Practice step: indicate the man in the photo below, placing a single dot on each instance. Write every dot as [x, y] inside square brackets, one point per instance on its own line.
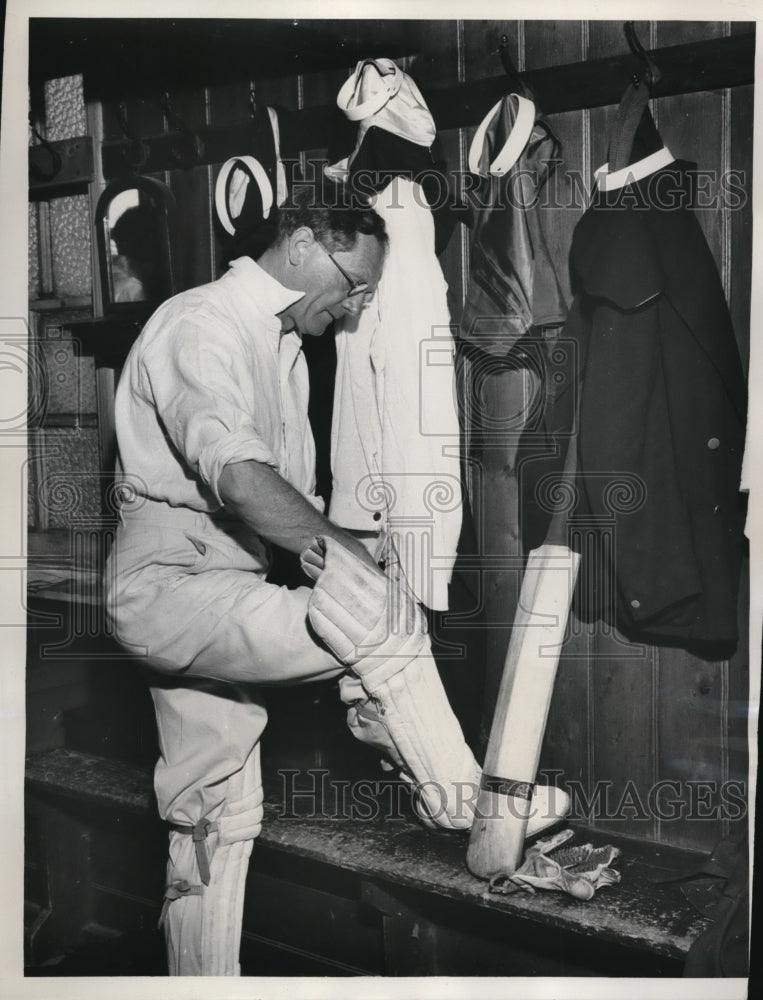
[217, 461]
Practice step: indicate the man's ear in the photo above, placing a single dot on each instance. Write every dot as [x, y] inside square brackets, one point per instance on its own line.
[301, 243]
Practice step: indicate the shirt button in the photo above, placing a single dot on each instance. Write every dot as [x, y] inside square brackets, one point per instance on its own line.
[713, 443]
[636, 604]
[717, 509]
[377, 515]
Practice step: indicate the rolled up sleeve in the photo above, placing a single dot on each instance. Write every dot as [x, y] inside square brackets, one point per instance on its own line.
[201, 385]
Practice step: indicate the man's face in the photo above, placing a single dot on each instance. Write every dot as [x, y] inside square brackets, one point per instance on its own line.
[327, 290]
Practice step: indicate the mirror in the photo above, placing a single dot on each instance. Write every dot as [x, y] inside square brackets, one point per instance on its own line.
[134, 219]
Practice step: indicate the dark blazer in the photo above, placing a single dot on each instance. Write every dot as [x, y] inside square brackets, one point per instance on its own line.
[661, 418]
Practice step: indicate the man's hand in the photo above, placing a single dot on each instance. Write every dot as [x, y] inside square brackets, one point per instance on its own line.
[313, 558]
[261, 498]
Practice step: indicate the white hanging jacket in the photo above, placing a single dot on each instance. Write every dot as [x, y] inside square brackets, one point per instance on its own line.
[395, 434]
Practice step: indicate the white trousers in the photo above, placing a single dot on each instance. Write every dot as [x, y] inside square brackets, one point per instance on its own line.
[183, 594]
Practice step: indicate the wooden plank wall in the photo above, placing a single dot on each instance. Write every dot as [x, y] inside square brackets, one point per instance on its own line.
[624, 717]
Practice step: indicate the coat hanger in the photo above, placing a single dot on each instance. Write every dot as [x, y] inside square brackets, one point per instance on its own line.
[137, 153]
[188, 147]
[651, 72]
[508, 66]
[633, 103]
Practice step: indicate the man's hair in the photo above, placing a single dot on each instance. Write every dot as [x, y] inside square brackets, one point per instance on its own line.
[336, 226]
[134, 232]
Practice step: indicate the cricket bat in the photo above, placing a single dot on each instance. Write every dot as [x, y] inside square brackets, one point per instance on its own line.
[496, 841]
[504, 802]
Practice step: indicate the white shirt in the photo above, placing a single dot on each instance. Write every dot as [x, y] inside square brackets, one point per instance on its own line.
[212, 380]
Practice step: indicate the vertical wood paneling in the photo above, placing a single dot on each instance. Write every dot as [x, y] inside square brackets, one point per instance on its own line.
[738, 761]
[281, 91]
[228, 103]
[683, 32]
[190, 186]
[441, 64]
[691, 126]
[437, 62]
[482, 43]
[320, 89]
[567, 739]
[739, 208]
[692, 700]
[607, 38]
[454, 258]
[622, 755]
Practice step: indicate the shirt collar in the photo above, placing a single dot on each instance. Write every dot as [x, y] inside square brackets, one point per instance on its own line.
[519, 136]
[606, 181]
[268, 295]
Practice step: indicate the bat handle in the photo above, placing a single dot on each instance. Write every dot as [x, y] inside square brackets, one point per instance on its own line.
[557, 529]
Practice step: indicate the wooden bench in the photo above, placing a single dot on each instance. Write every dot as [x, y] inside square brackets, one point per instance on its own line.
[334, 896]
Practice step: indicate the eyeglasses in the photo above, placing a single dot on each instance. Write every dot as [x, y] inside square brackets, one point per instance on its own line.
[356, 287]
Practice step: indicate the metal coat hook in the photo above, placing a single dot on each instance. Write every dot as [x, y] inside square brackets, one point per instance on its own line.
[508, 63]
[137, 153]
[652, 73]
[40, 171]
[189, 145]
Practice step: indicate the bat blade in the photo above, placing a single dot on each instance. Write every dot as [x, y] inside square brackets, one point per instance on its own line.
[504, 803]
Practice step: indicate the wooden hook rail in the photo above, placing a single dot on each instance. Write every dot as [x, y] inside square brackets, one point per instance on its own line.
[685, 69]
[697, 66]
